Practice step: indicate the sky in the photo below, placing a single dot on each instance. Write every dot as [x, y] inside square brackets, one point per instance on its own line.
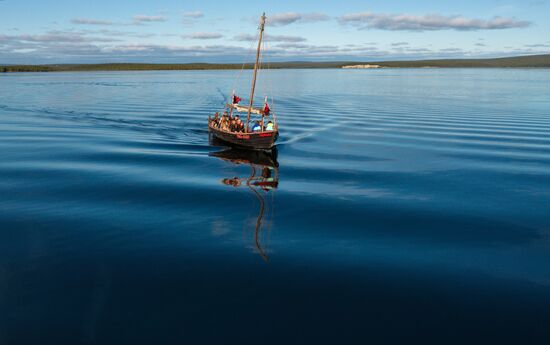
[167, 31]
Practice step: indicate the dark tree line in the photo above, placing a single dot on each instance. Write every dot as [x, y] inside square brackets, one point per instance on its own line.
[518, 61]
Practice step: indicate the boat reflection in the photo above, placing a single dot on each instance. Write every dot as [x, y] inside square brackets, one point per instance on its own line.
[262, 181]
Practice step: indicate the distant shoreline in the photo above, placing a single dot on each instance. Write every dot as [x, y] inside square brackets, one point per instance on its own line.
[531, 61]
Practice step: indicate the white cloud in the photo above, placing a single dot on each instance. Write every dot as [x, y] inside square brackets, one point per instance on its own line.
[88, 21]
[314, 17]
[47, 51]
[140, 19]
[190, 17]
[281, 19]
[204, 35]
[429, 22]
[293, 45]
[193, 14]
[118, 33]
[55, 37]
[146, 50]
[269, 38]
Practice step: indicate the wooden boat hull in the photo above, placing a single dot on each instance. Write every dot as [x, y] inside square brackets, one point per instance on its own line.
[255, 141]
[242, 156]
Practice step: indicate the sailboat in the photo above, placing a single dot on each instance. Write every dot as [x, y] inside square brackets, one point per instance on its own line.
[259, 136]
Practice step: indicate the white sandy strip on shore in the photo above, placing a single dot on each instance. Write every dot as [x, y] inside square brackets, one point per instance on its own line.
[362, 66]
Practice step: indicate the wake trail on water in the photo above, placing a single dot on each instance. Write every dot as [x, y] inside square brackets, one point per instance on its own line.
[166, 130]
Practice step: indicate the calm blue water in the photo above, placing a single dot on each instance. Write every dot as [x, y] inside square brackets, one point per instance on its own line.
[402, 206]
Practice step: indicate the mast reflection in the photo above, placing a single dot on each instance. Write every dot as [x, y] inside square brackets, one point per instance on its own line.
[262, 182]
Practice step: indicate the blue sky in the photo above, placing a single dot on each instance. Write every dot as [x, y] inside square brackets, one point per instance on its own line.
[63, 31]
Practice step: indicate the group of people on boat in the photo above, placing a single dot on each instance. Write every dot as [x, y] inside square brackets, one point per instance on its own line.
[227, 122]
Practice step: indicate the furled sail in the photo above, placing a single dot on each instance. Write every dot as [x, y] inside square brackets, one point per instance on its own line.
[244, 109]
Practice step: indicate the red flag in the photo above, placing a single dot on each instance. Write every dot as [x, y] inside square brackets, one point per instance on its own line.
[236, 99]
[266, 109]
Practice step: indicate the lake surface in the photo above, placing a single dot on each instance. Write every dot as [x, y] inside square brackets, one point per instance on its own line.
[402, 205]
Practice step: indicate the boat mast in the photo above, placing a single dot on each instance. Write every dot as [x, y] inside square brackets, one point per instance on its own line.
[262, 24]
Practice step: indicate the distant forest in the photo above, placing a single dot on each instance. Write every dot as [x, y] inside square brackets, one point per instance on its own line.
[532, 61]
